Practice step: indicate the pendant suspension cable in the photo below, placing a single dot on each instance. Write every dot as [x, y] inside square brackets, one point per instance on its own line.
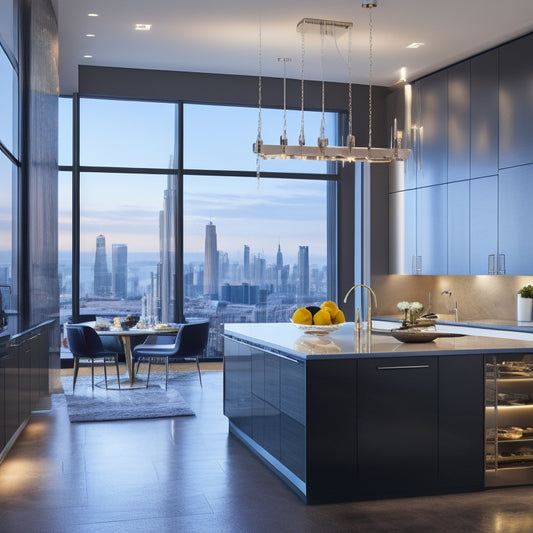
[259, 140]
[370, 73]
[283, 138]
[322, 56]
[301, 138]
[350, 140]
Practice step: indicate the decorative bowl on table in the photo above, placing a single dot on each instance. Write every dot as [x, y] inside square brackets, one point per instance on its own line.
[413, 335]
[312, 329]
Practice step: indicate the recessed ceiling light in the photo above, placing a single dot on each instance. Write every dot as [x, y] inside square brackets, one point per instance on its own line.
[143, 27]
[415, 45]
[88, 56]
[92, 14]
[90, 35]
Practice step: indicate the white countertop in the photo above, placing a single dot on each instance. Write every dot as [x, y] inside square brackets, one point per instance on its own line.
[284, 338]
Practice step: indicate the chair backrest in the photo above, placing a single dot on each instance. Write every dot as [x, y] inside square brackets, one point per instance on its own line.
[83, 341]
[192, 339]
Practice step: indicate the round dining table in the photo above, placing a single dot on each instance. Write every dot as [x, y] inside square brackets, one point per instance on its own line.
[125, 336]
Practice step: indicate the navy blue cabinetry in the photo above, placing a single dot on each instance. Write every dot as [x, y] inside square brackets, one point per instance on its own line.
[484, 115]
[516, 102]
[433, 130]
[459, 122]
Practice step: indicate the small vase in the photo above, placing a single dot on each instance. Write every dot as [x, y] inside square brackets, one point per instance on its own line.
[524, 309]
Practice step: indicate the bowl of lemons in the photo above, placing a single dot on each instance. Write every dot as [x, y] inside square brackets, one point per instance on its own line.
[318, 320]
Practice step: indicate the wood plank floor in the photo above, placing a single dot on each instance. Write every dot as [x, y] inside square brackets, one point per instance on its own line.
[188, 475]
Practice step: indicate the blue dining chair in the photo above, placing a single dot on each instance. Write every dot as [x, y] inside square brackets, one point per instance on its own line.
[84, 343]
[190, 342]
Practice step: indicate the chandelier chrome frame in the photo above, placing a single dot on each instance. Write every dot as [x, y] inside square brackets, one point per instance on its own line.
[322, 151]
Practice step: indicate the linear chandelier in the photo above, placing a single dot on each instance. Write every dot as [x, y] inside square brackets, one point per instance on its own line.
[322, 151]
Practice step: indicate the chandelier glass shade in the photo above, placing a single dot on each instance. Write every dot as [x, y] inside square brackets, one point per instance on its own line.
[322, 151]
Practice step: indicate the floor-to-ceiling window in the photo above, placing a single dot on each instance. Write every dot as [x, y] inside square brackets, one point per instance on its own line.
[175, 222]
[9, 162]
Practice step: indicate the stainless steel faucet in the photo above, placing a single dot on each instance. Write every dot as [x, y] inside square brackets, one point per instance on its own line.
[369, 303]
[451, 309]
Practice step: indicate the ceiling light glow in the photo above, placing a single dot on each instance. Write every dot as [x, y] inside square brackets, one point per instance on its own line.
[90, 35]
[88, 56]
[92, 14]
[415, 45]
[143, 27]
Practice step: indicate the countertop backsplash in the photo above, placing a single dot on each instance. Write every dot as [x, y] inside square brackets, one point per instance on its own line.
[477, 297]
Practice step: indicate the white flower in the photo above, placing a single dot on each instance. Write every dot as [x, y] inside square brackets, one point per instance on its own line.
[403, 306]
[415, 306]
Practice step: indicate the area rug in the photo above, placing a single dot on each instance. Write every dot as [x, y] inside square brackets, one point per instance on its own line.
[100, 405]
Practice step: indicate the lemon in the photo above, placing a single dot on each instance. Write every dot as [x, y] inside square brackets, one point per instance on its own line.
[339, 317]
[302, 316]
[322, 318]
[331, 307]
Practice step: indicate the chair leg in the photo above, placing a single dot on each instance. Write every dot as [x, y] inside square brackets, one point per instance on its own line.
[149, 370]
[199, 373]
[92, 372]
[166, 373]
[76, 368]
[118, 371]
[105, 373]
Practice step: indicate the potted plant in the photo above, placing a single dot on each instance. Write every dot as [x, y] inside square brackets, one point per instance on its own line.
[524, 304]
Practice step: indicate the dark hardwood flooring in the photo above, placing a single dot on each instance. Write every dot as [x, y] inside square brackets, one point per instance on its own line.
[186, 474]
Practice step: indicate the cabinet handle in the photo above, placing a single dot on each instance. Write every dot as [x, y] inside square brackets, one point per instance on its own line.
[402, 367]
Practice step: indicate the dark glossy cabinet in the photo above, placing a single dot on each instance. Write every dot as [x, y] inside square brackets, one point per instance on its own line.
[484, 115]
[515, 219]
[433, 130]
[264, 396]
[397, 413]
[459, 122]
[24, 368]
[458, 221]
[341, 429]
[516, 102]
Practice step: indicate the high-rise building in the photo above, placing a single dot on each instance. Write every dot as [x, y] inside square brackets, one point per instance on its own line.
[119, 263]
[246, 264]
[303, 271]
[211, 262]
[279, 258]
[166, 306]
[102, 278]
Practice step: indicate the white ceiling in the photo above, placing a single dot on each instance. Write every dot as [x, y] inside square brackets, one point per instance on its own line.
[222, 36]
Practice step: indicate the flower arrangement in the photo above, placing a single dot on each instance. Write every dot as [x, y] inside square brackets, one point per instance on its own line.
[412, 312]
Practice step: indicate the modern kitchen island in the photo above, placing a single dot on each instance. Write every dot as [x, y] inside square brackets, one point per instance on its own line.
[344, 417]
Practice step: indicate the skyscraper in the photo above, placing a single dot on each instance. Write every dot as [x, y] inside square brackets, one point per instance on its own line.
[211, 262]
[102, 278]
[279, 258]
[246, 263]
[303, 271]
[165, 307]
[119, 272]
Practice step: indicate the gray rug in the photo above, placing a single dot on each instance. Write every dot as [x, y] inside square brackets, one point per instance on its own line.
[86, 405]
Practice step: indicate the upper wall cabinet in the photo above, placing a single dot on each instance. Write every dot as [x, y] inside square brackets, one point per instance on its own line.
[515, 219]
[432, 130]
[516, 102]
[459, 122]
[484, 115]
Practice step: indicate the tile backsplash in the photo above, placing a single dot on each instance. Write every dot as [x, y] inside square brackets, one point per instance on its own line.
[477, 297]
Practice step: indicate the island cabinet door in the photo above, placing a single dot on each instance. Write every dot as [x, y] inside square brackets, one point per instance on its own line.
[238, 384]
[461, 422]
[397, 430]
[331, 430]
